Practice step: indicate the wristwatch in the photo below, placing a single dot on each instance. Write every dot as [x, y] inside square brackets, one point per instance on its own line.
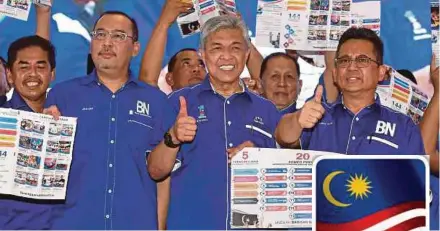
[168, 141]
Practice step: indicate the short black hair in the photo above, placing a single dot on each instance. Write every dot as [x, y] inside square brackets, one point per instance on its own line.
[3, 62]
[408, 74]
[31, 41]
[173, 59]
[363, 34]
[134, 26]
[276, 55]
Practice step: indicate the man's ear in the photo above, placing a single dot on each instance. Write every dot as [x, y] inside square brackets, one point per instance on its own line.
[136, 49]
[9, 77]
[169, 79]
[383, 72]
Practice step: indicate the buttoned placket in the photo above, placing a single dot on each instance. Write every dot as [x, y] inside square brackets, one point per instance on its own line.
[111, 157]
[354, 136]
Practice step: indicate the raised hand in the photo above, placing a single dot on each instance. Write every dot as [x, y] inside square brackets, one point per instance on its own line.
[184, 130]
[312, 110]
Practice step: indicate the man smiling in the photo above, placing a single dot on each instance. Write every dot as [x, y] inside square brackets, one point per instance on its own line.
[215, 119]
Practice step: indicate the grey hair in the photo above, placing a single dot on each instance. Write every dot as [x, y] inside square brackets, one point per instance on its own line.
[220, 23]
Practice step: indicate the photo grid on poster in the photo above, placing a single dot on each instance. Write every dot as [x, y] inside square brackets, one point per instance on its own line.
[39, 154]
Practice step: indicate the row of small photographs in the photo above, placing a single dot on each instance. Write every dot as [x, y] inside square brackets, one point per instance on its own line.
[32, 126]
[418, 103]
[20, 4]
[60, 129]
[62, 147]
[416, 90]
[30, 143]
[33, 161]
[317, 35]
[414, 116]
[53, 181]
[319, 4]
[31, 179]
[339, 5]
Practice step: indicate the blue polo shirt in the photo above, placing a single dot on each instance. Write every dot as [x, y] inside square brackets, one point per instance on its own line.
[434, 203]
[109, 186]
[24, 213]
[289, 109]
[376, 129]
[200, 191]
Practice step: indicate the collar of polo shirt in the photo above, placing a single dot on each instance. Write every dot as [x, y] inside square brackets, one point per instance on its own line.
[93, 78]
[340, 102]
[17, 102]
[206, 85]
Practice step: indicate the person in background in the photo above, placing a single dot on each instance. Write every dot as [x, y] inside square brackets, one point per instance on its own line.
[356, 123]
[429, 126]
[220, 103]
[119, 118]
[4, 86]
[29, 70]
[280, 81]
[184, 69]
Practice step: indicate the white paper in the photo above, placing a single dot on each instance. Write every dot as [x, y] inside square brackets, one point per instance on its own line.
[272, 188]
[312, 25]
[18, 9]
[42, 2]
[35, 154]
[404, 96]
[190, 22]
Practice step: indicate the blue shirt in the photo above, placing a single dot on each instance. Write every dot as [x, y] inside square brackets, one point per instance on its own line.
[434, 203]
[289, 109]
[374, 130]
[24, 213]
[200, 180]
[109, 186]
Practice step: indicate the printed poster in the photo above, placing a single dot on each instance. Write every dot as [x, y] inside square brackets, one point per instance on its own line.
[312, 25]
[404, 96]
[35, 154]
[18, 9]
[190, 22]
[272, 188]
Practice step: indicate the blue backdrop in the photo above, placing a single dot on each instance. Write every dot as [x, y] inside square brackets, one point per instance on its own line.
[398, 32]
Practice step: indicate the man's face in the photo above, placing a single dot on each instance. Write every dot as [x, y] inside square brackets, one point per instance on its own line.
[31, 73]
[225, 55]
[113, 52]
[354, 78]
[280, 82]
[188, 70]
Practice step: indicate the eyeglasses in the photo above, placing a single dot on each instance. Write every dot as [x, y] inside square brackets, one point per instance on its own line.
[116, 36]
[361, 61]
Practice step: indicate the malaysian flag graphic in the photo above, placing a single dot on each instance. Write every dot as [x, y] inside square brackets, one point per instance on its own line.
[401, 90]
[370, 194]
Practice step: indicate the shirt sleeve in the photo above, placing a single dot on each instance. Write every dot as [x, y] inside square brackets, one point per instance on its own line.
[413, 143]
[305, 137]
[164, 121]
[54, 98]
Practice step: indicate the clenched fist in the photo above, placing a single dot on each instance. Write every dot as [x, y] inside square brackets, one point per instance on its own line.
[184, 130]
[312, 110]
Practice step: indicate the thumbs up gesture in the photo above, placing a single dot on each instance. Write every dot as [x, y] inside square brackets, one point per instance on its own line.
[312, 110]
[185, 127]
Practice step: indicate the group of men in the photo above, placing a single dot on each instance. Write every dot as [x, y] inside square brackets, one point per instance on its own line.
[144, 160]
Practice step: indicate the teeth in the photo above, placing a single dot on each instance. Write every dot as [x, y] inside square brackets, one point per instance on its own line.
[227, 67]
[32, 84]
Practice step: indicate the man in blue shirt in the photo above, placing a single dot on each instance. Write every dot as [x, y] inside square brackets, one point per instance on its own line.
[280, 80]
[109, 186]
[215, 119]
[356, 123]
[30, 69]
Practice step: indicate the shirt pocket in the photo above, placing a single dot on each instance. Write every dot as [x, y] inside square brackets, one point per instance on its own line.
[140, 133]
[261, 136]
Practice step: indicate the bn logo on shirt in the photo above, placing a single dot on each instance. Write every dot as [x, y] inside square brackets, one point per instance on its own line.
[142, 108]
[385, 128]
